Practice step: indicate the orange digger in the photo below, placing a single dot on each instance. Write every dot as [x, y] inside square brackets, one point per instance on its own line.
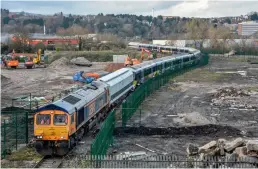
[148, 52]
[130, 62]
[14, 62]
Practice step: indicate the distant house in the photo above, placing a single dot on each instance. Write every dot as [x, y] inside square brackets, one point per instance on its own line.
[54, 39]
[50, 39]
[11, 15]
[170, 17]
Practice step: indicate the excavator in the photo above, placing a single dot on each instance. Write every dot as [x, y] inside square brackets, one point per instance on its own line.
[148, 52]
[39, 60]
[13, 62]
[130, 62]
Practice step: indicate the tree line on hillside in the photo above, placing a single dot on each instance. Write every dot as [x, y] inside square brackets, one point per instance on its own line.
[194, 29]
[115, 29]
[123, 25]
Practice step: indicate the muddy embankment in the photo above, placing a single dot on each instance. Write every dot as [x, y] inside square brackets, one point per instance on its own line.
[204, 130]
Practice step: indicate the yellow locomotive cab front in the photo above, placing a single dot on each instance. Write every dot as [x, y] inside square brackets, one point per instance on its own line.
[51, 125]
[51, 130]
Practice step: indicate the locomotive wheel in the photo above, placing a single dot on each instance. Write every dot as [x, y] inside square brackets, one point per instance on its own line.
[72, 142]
[61, 151]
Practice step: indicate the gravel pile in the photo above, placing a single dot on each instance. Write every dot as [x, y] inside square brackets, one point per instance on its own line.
[81, 61]
[57, 64]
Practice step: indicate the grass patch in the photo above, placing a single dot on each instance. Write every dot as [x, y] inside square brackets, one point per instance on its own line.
[24, 154]
[241, 59]
[238, 59]
[201, 75]
[252, 89]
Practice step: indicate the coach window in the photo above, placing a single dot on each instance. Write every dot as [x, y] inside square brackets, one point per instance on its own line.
[43, 119]
[60, 119]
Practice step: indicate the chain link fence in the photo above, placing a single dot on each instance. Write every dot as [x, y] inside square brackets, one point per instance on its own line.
[17, 120]
[14, 131]
[105, 136]
[134, 100]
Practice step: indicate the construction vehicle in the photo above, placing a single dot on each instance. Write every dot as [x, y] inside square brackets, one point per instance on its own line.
[13, 62]
[86, 77]
[29, 64]
[148, 52]
[39, 60]
[130, 62]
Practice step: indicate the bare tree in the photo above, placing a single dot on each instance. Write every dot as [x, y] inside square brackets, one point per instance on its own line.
[75, 30]
[197, 31]
[20, 40]
[213, 36]
[222, 33]
[71, 31]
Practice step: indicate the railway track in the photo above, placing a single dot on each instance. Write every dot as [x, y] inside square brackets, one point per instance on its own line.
[52, 161]
[49, 162]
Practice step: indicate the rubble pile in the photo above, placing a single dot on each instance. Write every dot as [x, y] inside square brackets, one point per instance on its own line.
[231, 151]
[59, 63]
[230, 92]
[234, 98]
[81, 61]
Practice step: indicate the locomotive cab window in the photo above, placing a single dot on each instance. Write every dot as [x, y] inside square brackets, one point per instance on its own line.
[43, 119]
[60, 119]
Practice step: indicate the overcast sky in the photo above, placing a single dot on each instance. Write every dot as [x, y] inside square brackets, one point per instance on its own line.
[199, 8]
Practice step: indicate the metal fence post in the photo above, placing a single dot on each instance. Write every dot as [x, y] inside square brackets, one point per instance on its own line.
[16, 132]
[30, 101]
[4, 147]
[27, 127]
[140, 116]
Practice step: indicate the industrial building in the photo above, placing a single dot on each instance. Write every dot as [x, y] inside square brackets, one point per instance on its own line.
[247, 28]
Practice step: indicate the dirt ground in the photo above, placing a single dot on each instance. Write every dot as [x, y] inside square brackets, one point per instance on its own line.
[41, 82]
[220, 99]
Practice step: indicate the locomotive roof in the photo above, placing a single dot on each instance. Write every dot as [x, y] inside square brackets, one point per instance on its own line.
[150, 63]
[187, 49]
[76, 99]
[113, 75]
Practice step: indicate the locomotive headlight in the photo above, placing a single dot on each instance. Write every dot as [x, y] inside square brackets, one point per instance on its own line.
[62, 137]
[39, 136]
